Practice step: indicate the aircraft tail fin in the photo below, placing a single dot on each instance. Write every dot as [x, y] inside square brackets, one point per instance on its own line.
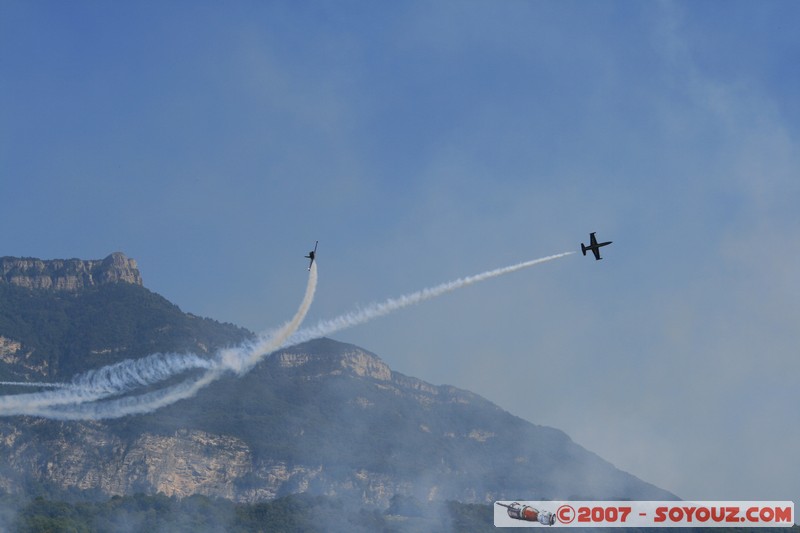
[583, 249]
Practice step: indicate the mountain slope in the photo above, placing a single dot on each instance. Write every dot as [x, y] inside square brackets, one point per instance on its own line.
[49, 335]
[344, 421]
[324, 418]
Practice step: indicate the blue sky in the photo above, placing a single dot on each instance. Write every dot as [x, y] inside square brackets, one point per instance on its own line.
[424, 141]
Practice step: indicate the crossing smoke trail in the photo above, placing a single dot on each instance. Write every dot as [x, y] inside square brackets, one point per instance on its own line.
[152, 401]
[379, 309]
[241, 359]
[110, 380]
[39, 384]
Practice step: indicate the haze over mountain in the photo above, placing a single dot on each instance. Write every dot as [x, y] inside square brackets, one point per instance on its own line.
[322, 417]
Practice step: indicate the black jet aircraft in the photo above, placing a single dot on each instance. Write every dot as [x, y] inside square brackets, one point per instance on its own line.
[313, 253]
[594, 246]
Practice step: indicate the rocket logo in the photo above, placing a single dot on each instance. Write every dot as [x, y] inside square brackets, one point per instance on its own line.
[529, 514]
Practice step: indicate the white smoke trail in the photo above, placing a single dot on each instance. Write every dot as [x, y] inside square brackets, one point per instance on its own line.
[40, 384]
[124, 375]
[375, 310]
[111, 380]
[239, 360]
[104, 382]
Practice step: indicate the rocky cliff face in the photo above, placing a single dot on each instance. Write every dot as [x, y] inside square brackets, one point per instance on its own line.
[68, 274]
[345, 425]
[92, 456]
[87, 456]
[181, 464]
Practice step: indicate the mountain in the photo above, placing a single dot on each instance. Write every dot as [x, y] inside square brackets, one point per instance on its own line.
[62, 317]
[68, 274]
[323, 418]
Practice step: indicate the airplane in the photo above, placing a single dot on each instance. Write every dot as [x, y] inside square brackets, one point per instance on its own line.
[312, 254]
[594, 246]
[529, 514]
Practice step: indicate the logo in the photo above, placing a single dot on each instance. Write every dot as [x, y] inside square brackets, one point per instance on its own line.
[565, 514]
[644, 514]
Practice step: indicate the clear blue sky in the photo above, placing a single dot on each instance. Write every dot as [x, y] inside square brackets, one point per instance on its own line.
[425, 141]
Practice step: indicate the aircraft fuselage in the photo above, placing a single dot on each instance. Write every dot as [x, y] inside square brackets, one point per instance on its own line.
[594, 246]
[311, 255]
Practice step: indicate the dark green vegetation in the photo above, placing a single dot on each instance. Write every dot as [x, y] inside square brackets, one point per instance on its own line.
[198, 514]
[295, 513]
[71, 332]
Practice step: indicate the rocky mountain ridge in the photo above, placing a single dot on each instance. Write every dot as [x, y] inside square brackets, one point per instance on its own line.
[356, 430]
[324, 418]
[68, 274]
